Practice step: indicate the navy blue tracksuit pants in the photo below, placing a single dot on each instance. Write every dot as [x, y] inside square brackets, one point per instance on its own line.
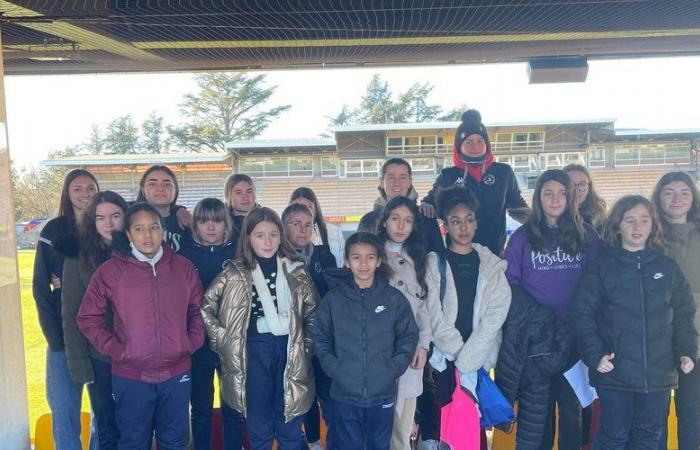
[630, 419]
[312, 419]
[102, 404]
[267, 358]
[142, 408]
[204, 363]
[362, 427]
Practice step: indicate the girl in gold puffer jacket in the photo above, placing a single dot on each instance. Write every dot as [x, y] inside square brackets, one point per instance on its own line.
[259, 313]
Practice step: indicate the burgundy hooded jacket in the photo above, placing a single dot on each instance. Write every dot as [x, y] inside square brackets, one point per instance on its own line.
[157, 323]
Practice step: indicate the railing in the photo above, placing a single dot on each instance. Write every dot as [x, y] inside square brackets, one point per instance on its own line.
[419, 149]
[528, 146]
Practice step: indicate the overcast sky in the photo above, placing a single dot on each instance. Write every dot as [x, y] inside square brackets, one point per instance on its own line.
[47, 113]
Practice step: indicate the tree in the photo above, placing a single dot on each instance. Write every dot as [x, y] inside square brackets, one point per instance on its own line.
[122, 136]
[227, 107]
[95, 144]
[66, 152]
[414, 106]
[379, 106]
[152, 133]
[454, 114]
[36, 192]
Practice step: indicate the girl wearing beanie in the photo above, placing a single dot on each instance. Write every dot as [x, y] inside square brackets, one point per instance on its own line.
[494, 183]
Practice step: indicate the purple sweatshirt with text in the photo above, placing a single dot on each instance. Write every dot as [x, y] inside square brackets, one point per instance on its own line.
[550, 276]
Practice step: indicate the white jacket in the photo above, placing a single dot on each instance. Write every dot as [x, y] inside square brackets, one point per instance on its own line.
[491, 306]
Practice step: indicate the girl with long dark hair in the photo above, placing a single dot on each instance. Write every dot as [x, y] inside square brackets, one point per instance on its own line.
[259, 315]
[398, 231]
[546, 257]
[84, 255]
[62, 394]
[159, 188]
[677, 200]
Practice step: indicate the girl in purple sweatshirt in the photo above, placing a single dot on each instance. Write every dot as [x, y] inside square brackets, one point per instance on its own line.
[546, 257]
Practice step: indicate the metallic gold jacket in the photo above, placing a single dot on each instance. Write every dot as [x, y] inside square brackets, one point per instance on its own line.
[226, 312]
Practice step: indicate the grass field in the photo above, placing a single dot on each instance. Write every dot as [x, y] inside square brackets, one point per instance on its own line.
[34, 344]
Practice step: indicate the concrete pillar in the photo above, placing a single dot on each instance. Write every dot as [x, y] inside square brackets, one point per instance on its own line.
[14, 415]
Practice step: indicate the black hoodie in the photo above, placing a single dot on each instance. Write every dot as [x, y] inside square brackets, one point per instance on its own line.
[364, 338]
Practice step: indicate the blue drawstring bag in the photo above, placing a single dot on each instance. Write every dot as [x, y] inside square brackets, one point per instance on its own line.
[494, 407]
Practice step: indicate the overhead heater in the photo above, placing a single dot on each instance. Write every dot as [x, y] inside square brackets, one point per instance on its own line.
[557, 70]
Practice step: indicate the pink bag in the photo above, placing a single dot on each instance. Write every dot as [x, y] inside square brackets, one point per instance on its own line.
[459, 421]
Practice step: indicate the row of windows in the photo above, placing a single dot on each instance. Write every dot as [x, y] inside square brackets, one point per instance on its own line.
[432, 145]
[625, 155]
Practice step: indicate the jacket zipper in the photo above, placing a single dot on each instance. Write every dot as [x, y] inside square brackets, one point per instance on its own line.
[364, 346]
[644, 323]
[156, 309]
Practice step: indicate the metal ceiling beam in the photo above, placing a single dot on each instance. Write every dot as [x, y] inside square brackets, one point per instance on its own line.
[418, 40]
[76, 34]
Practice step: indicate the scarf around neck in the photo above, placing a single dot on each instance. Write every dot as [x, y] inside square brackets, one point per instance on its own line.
[276, 319]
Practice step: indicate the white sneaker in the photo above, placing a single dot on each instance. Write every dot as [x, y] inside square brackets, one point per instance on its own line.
[316, 446]
[430, 444]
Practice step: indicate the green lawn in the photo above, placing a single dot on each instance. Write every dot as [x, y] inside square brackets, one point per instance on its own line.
[34, 344]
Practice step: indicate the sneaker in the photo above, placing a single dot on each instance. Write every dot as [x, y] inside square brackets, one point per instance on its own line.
[430, 444]
[316, 446]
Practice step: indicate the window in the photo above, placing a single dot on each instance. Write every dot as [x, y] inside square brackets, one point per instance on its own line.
[361, 168]
[559, 160]
[278, 166]
[422, 166]
[416, 145]
[596, 156]
[520, 163]
[301, 166]
[652, 154]
[519, 141]
[329, 166]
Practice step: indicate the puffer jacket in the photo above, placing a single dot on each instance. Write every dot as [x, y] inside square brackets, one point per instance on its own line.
[76, 276]
[535, 347]
[404, 279]
[638, 306]
[490, 310]
[364, 339]
[683, 245]
[226, 311]
[157, 324]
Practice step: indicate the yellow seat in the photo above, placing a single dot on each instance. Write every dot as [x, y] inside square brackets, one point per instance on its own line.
[43, 434]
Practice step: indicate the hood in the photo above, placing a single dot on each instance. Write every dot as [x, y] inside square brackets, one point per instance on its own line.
[168, 255]
[381, 201]
[489, 264]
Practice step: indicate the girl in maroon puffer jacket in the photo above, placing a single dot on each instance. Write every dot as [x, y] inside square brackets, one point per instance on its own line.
[155, 296]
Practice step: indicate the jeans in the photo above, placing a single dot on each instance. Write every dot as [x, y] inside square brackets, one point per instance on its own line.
[102, 403]
[64, 398]
[204, 363]
[142, 408]
[630, 419]
[363, 428]
[267, 358]
[563, 396]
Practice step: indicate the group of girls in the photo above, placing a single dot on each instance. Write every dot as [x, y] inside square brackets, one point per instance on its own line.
[286, 329]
